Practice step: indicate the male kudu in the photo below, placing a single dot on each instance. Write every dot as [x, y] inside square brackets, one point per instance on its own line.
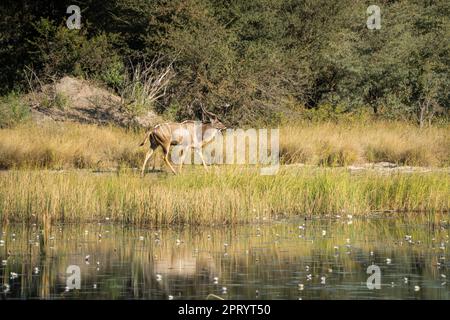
[189, 133]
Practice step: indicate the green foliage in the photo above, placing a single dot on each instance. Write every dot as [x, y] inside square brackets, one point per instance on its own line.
[248, 61]
[12, 110]
[59, 51]
[113, 74]
[398, 67]
[328, 112]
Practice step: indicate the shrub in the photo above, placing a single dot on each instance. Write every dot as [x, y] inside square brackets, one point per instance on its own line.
[417, 156]
[113, 74]
[330, 155]
[413, 156]
[55, 100]
[12, 110]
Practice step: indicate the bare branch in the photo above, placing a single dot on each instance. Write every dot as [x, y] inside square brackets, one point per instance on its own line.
[146, 83]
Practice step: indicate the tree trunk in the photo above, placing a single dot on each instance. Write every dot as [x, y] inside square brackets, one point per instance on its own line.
[421, 116]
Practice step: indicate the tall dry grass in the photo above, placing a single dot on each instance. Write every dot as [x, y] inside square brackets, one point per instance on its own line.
[338, 144]
[226, 195]
[70, 145]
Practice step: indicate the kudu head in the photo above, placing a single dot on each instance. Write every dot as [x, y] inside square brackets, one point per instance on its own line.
[213, 119]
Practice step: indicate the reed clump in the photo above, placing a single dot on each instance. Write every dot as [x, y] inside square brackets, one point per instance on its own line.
[226, 195]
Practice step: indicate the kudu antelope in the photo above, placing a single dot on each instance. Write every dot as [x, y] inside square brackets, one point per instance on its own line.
[175, 133]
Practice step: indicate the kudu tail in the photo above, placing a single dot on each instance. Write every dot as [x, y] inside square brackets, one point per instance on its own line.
[147, 136]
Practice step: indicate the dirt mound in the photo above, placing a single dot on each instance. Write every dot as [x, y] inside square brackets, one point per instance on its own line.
[72, 99]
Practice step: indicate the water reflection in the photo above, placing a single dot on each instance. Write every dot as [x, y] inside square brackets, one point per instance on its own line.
[314, 259]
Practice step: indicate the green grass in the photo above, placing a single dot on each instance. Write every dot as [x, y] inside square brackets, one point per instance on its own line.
[226, 195]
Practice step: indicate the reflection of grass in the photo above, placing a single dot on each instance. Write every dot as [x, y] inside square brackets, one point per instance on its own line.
[273, 262]
[225, 196]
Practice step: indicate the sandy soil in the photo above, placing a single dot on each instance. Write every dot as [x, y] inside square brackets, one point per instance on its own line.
[72, 99]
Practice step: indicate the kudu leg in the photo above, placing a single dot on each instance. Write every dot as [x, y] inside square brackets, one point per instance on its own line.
[183, 156]
[200, 153]
[147, 157]
[166, 159]
[154, 163]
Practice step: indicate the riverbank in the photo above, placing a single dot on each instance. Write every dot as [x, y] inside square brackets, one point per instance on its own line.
[225, 195]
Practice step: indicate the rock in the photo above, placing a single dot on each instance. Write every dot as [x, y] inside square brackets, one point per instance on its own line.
[78, 100]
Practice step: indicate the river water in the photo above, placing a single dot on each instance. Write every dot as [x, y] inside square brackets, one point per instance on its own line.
[323, 258]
